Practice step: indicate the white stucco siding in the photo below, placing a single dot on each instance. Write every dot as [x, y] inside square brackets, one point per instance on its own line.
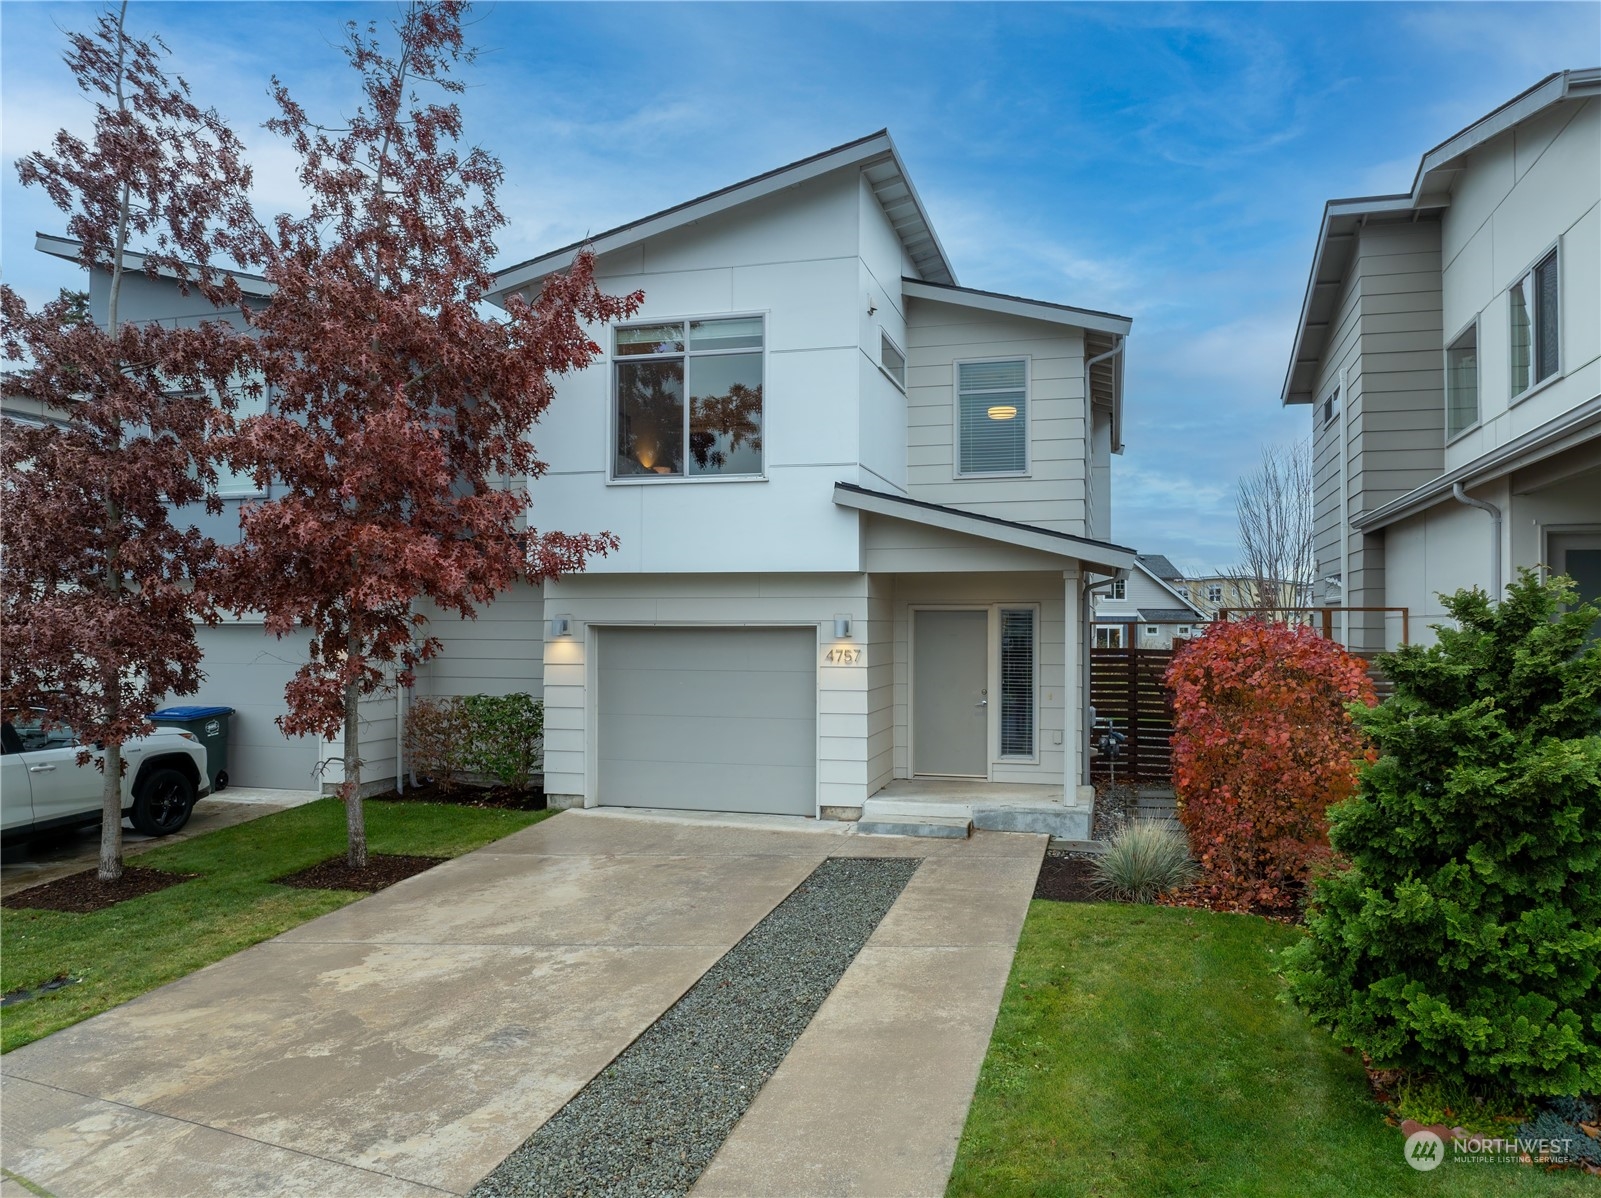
[1439, 551]
[1537, 186]
[794, 258]
[1054, 494]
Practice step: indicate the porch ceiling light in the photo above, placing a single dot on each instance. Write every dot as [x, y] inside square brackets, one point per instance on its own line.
[1002, 411]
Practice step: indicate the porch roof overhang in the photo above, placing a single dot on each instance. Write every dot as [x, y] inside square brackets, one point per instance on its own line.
[1574, 427]
[1104, 556]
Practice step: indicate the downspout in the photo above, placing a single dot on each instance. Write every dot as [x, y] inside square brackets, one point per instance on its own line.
[1346, 590]
[1086, 708]
[1461, 496]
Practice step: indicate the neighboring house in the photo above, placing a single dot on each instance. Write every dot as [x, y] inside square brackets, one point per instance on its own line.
[1230, 593]
[859, 508]
[1146, 610]
[245, 668]
[1449, 348]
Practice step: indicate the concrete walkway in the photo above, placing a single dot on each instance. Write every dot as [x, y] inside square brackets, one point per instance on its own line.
[404, 1045]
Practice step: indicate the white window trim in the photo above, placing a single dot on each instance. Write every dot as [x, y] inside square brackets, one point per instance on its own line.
[1329, 412]
[1478, 376]
[906, 364]
[1028, 418]
[1526, 276]
[997, 689]
[611, 403]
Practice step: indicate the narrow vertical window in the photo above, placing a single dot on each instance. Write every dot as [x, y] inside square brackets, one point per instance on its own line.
[992, 417]
[892, 360]
[1536, 325]
[1462, 382]
[1017, 683]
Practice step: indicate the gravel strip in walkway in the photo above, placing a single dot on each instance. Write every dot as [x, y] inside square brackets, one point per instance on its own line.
[652, 1120]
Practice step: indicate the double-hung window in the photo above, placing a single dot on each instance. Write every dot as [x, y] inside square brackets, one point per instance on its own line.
[1536, 319]
[992, 417]
[688, 397]
[1462, 382]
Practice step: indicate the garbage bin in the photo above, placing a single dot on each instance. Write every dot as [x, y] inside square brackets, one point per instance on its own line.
[210, 726]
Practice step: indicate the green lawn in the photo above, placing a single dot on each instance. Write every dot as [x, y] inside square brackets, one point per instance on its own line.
[143, 943]
[1143, 1051]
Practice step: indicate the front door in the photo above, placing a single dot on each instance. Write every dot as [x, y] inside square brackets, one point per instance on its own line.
[1578, 555]
[950, 702]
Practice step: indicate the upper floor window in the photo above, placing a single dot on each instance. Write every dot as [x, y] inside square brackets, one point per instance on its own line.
[892, 360]
[1331, 406]
[1535, 322]
[689, 398]
[1214, 593]
[992, 417]
[1462, 382]
[1119, 589]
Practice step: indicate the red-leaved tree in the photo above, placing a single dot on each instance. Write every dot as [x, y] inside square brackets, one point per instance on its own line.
[99, 584]
[1262, 745]
[400, 416]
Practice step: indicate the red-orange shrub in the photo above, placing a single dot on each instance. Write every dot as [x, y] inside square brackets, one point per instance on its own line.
[1262, 745]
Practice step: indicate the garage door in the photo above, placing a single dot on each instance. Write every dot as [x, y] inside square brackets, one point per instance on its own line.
[246, 669]
[708, 719]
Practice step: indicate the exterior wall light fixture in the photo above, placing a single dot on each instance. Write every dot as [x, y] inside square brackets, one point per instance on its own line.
[842, 628]
[561, 626]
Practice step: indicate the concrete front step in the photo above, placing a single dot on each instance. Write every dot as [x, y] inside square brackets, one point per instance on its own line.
[894, 816]
[949, 827]
[1068, 823]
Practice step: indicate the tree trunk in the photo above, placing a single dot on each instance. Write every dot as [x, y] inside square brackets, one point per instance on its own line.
[111, 817]
[355, 820]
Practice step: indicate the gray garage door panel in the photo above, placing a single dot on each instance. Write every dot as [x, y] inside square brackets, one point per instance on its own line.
[708, 719]
[246, 669]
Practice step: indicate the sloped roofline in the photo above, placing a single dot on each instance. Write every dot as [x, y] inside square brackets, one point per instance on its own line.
[70, 248]
[1428, 194]
[1102, 554]
[895, 189]
[1017, 305]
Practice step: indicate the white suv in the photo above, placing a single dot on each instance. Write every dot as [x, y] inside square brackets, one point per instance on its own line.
[43, 788]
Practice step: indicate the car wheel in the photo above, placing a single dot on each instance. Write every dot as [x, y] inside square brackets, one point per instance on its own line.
[162, 803]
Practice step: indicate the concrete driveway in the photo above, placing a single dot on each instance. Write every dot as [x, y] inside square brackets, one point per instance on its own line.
[404, 1045]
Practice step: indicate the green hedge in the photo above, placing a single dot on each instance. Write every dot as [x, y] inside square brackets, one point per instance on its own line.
[473, 737]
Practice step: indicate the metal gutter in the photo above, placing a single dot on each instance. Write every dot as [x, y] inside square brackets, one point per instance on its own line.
[1576, 425]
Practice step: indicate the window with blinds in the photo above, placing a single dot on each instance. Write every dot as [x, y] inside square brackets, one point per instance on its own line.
[1017, 682]
[992, 417]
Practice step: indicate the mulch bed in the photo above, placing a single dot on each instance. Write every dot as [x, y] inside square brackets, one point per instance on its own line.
[382, 870]
[1066, 880]
[506, 798]
[83, 893]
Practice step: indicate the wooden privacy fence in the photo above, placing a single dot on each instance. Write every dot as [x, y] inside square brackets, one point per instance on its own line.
[1126, 688]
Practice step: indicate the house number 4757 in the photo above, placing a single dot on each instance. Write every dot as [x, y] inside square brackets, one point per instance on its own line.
[844, 657]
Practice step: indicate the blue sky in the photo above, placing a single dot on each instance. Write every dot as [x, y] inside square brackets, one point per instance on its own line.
[1169, 162]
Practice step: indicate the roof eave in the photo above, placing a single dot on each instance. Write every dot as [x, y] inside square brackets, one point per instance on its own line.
[1101, 554]
[876, 147]
[68, 248]
[1426, 193]
[1016, 305]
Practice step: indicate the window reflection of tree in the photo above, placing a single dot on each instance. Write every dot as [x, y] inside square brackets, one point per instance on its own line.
[735, 417]
[651, 431]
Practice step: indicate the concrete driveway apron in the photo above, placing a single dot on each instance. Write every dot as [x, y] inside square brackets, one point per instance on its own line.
[404, 1045]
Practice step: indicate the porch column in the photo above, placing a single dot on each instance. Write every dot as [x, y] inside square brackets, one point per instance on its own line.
[1072, 688]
